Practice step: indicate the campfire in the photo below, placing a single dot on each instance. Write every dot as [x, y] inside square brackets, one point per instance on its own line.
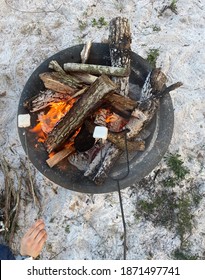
[80, 97]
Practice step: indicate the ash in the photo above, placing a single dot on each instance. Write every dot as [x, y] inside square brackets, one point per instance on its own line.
[82, 226]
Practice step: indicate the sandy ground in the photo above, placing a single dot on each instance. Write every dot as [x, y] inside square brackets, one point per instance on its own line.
[82, 226]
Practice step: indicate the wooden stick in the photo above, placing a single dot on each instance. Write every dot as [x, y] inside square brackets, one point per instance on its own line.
[56, 158]
[55, 66]
[96, 69]
[85, 77]
[85, 52]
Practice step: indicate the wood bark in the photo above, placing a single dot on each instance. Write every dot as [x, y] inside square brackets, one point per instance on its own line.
[55, 66]
[120, 49]
[85, 77]
[59, 82]
[141, 116]
[78, 113]
[96, 69]
[121, 105]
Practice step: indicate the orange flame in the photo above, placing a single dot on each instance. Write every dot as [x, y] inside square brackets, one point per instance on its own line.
[111, 118]
[47, 121]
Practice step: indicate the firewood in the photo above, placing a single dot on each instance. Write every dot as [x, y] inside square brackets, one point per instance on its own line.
[88, 103]
[47, 97]
[100, 118]
[111, 156]
[61, 83]
[56, 158]
[119, 139]
[137, 122]
[44, 99]
[96, 162]
[85, 52]
[85, 77]
[97, 69]
[55, 66]
[122, 105]
[120, 49]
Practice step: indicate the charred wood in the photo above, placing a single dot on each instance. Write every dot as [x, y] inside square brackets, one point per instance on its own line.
[44, 99]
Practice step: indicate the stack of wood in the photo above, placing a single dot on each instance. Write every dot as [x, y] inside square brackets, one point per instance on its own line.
[96, 92]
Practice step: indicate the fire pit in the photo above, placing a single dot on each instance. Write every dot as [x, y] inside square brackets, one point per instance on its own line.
[141, 163]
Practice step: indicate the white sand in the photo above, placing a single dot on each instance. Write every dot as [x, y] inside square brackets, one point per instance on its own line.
[29, 35]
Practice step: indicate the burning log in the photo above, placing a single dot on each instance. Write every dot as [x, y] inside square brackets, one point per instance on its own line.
[119, 140]
[61, 83]
[47, 97]
[78, 113]
[44, 99]
[56, 158]
[100, 119]
[97, 69]
[111, 156]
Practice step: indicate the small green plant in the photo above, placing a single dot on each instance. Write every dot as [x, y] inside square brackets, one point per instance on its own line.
[156, 28]
[152, 56]
[82, 25]
[173, 6]
[67, 229]
[184, 218]
[175, 163]
[99, 23]
[181, 255]
[168, 208]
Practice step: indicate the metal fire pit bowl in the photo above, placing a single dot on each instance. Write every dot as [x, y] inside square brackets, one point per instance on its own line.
[141, 164]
